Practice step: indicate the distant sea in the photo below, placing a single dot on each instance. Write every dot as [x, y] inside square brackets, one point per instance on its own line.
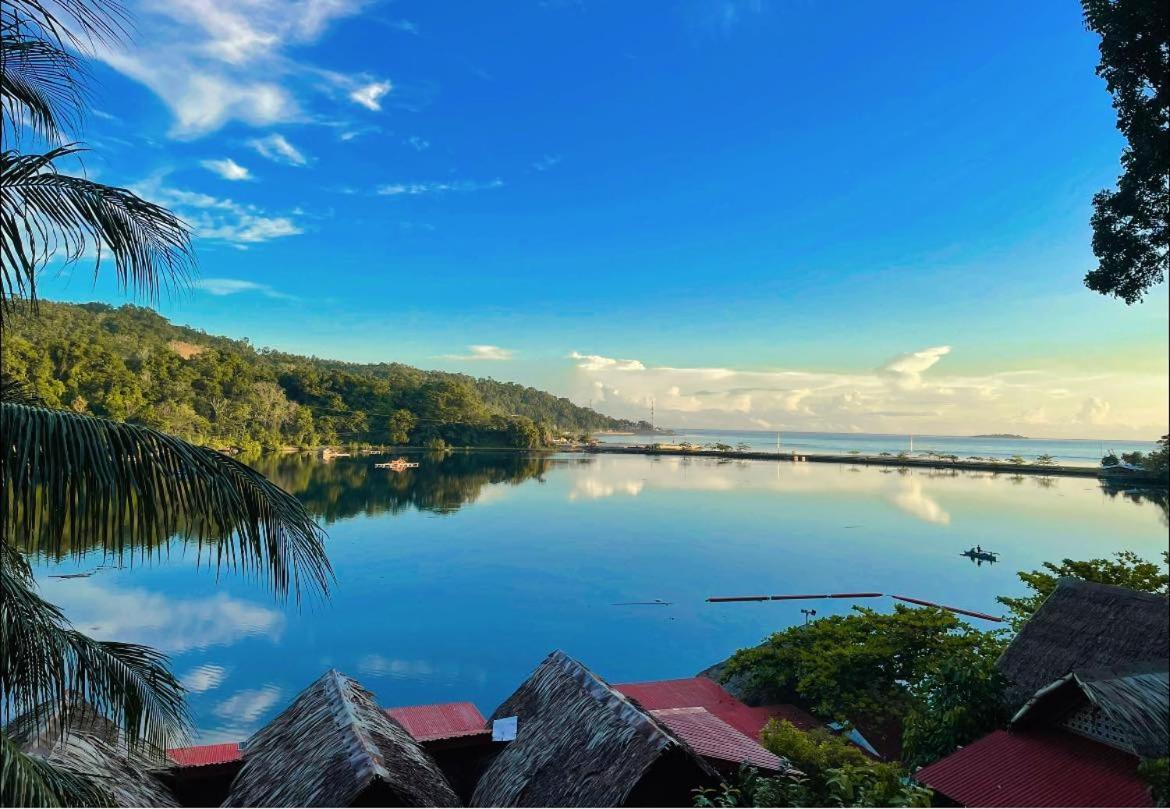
[1066, 451]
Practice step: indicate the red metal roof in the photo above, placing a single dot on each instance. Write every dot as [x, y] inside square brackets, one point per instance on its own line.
[205, 755]
[703, 692]
[713, 738]
[1045, 768]
[448, 720]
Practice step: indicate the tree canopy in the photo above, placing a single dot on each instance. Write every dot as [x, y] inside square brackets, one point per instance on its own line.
[130, 364]
[1131, 223]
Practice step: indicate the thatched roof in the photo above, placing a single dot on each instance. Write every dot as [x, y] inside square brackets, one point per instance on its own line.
[130, 779]
[333, 746]
[83, 740]
[1134, 702]
[1085, 625]
[580, 743]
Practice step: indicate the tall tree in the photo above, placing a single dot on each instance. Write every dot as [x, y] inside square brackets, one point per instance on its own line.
[72, 481]
[1131, 224]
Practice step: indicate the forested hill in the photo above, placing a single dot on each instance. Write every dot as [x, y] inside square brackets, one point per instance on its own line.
[132, 364]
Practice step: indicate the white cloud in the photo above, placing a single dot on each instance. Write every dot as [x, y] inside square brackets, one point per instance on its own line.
[907, 394]
[233, 286]
[370, 95]
[418, 144]
[214, 61]
[227, 168]
[416, 189]
[203, 678]
[596, 362]
[277, 149]
[908, 368]
[482, 352]
[219, 219]
[546, 162]
[1095, 410]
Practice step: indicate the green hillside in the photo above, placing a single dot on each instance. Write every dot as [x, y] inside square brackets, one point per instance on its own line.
[132, 364]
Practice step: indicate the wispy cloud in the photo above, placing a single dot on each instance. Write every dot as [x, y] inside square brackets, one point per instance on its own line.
[227, 168]
[214, 61]
[277, 149]
[370, 95]
[546, 162]
[347, 135]
[418, 144]
[234, 286]
[405, 26]
[220, 219]
[415, 189]
[482, 352]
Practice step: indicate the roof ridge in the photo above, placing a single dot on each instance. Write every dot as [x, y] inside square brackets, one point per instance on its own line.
[372, 765]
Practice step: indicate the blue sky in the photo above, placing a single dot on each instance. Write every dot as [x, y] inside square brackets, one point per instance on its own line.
[785, 214]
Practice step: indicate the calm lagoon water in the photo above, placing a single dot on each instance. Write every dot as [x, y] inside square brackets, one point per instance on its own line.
[455, 579]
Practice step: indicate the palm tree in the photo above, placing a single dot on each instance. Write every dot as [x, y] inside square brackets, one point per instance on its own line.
[70, 481]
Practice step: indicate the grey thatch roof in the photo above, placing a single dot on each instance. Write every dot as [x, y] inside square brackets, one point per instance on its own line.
[334, 747]
[1085, 625]
[1136, 701]
[130, 779]
[579, 743]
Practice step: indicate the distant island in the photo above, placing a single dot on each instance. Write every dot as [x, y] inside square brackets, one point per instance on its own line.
[1000, 435]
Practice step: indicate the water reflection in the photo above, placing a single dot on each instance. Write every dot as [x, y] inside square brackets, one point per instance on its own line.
[536, 552]
[165, 621]
[442, 483]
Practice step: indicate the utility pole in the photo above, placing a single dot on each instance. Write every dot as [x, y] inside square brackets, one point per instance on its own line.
[651, 412]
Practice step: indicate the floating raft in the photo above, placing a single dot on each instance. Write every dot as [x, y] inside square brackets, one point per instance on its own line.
[398, 464]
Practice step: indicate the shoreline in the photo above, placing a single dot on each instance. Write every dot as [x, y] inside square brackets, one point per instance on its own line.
[873, 460]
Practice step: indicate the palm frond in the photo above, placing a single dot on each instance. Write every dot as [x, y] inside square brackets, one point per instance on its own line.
[49, 669]
[41, 84]
[31, 781]
[74, 481]
[74, 23]
[44, 212]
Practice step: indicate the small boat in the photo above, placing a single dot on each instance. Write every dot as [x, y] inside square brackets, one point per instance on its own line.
[397, 465]
[980, 555]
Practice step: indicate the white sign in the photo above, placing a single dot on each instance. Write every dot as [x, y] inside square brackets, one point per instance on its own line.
[504, 730]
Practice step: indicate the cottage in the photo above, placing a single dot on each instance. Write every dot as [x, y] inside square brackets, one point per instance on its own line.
[581, 743]
[1084, 625]
[333, 746]
[1080, 735]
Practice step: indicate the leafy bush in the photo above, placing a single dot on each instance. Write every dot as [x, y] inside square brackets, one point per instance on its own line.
[1126, 569]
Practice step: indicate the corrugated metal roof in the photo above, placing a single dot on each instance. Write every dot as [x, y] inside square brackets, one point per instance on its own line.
[712, 738]
[206, 755]
[703, 692]
[1043, 768]
[447, 720]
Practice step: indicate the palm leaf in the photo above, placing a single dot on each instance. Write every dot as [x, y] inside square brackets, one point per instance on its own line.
[74, 481]
[40, 84]
[31, 781]
[73, 23]
[44, 212]
[49, 669]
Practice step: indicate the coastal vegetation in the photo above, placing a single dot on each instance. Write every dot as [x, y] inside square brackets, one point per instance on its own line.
[918, 682]
[1156, 463]
[130, 364]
